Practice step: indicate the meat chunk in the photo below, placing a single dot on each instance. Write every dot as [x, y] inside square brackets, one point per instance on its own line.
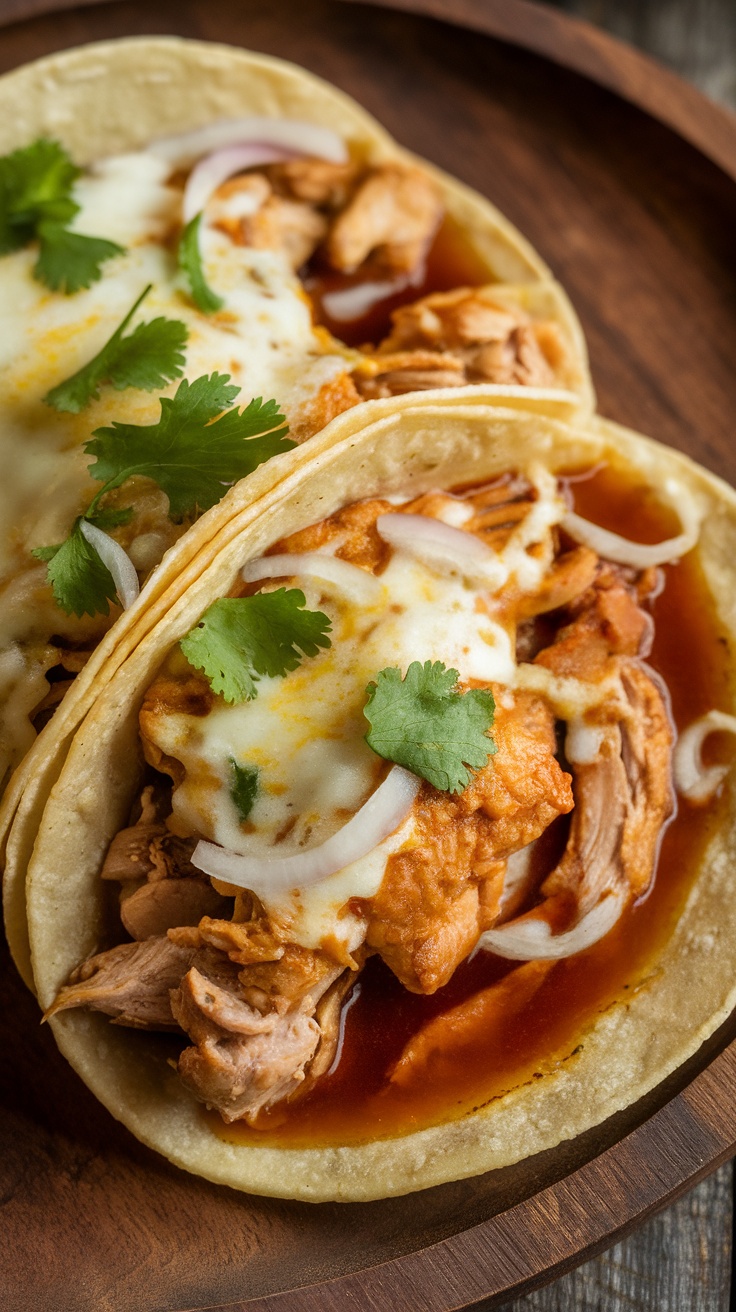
[606, 622]
[458, 337]
[252, 214]
[622, 799]
[253, 1036]
[130, 983]
[155, 907]
[438, 896]
[314, 180]
[409, 371]
[393, 215]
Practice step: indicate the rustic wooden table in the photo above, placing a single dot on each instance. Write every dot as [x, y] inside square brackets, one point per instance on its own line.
[681, 1259]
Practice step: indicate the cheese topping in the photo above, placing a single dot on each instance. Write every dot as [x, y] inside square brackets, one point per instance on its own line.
[263, 337]
[305, 733]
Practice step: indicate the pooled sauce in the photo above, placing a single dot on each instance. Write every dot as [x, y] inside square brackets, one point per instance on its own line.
[356, 307]
[544, 1009]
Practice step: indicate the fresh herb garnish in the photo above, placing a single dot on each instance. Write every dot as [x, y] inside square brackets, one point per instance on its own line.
[190, 262]
[149, 357]
[193, 455]
[82, 585]
[425, 724]
[238, 639]
[244, 787]
[36, 204]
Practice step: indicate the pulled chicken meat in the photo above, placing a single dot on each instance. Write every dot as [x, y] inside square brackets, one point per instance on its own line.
[449, 339]
[389, 214]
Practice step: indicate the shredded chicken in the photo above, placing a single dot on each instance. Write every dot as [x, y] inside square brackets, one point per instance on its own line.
[452, 338]
[252, 1035]
[393, 216]
[131, 983]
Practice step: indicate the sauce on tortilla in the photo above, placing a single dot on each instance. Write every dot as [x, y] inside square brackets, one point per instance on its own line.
[516, 1022]
[450, 262]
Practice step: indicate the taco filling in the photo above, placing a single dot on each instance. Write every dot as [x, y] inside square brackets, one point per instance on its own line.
[251, 260]
[408, 787]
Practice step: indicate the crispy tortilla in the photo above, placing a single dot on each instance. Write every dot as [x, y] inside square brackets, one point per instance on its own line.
[625, 1052]
[155, 86]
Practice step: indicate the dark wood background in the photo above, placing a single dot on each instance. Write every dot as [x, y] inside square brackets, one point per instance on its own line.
[683, 1258]
[680, 1260]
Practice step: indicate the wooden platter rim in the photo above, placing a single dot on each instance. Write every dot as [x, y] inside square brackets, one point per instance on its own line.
[461, 1265]
[563, 39]
[577, 45]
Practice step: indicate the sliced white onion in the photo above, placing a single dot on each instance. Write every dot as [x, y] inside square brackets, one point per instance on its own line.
[356, 583]
[213, 170]
[293, 135]
[583, 741]
[378, 818]
[118, 562]
[613, 547]
[518, 873]
[692, 779]
[443, 547]
[531, 939]
[351, 303]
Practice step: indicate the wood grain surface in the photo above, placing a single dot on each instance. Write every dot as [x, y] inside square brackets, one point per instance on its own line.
[639, 226]
[695, 38]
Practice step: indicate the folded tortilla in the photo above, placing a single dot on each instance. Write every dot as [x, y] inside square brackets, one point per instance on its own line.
[116, 97]
[623, 1053]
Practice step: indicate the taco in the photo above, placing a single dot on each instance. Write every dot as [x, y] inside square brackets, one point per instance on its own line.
[397, 830]
[175, 212]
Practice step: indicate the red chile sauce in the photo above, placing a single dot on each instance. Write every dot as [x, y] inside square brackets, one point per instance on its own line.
[450, 262]
[355, 1101]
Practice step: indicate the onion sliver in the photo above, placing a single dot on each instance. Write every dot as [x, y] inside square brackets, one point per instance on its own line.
[531, 939]
[379, 817]
[442, 546]
[356, 583]
[293, 135]
[213, 170]
[640, 555]
[692, 779]
[117, 561]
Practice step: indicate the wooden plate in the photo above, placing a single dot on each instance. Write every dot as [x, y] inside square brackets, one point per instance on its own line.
[638, 223]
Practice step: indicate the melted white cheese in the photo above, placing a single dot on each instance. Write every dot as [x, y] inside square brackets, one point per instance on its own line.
[263, 338]
[305, 733]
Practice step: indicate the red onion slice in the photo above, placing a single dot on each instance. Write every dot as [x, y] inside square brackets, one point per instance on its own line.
[531, 939]
[183, 150]
[356, 583]
[213, 170]
[443, 547]
[692, 779]
[379, 817]
[118, 562]
[613, 547]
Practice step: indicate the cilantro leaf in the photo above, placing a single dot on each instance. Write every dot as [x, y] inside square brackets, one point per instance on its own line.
[190, 453]
[190, 262]
[244, 787]
[68, 261]
[423, 723]
[107, 519]
[35, 183]
[82, 585]
[36, 201]
[151, 356]
[240, 638]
